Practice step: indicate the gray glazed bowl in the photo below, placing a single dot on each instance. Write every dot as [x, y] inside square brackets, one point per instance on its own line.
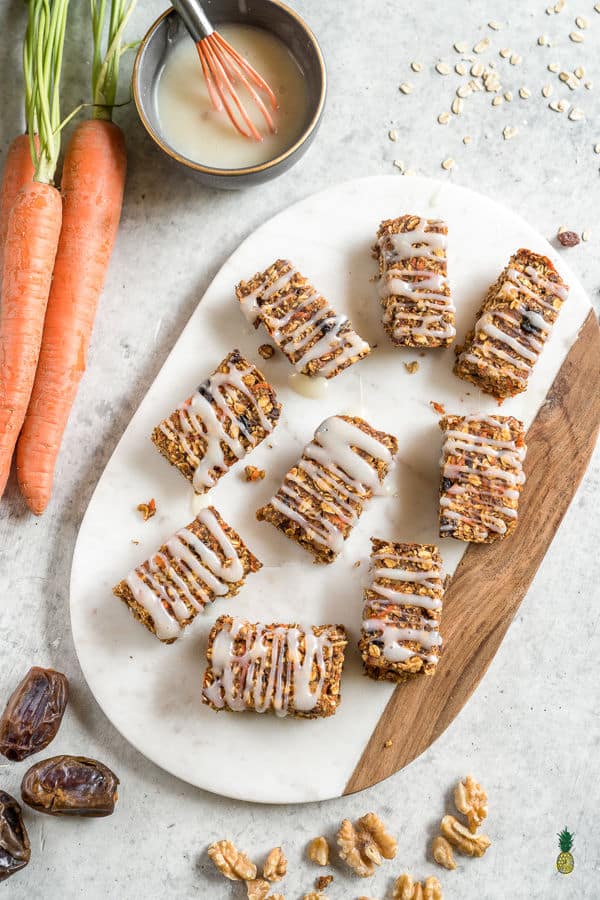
[268, 14]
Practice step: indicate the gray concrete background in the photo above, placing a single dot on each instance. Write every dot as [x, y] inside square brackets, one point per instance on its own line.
[532, 730]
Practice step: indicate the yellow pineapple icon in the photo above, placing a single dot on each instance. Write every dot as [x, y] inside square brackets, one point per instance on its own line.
[564, 861]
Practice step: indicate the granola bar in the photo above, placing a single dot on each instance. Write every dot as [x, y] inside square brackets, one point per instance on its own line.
[482, 477]
[413, 282]
[315, 339]
[226, 417]
[285, 669]
[205, 560]
[323, 495]
[512, 326]
[402, 609]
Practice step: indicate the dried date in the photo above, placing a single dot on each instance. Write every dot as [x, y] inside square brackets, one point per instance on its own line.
[70, 786]
[15, 849]
[33, 713]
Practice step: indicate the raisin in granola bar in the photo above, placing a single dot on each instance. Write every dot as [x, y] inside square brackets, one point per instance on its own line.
[413, 282]
[402, 609]
[227, 417]
[481, 477]
[199, 563]
[315, 339]
[323, 495]
[512, 326]
[285, 669]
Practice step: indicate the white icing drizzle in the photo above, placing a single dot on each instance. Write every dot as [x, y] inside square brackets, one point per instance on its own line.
[484, 506]
[406, 293]
[194, 572]
[268, 675]
[297, 342]
[206, 413]
[385, 614]
[333, 452]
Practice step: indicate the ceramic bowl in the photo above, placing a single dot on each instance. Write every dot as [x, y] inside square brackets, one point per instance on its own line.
[271, 15]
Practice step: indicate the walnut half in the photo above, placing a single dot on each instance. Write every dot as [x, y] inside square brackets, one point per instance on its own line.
[275, 865]
[442, 852]
[471, 800]
[257, 889]
[318, 851]
[461, 838]
[406, 889]
[363, 847]
[232, 863]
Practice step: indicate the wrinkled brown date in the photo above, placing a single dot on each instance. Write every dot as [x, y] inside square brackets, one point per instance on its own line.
[70, 786]
[15, 850]
[33, 713]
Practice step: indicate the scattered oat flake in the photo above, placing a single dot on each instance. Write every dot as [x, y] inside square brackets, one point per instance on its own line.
[387, 744]
[444, 118]
[588, 85]
[555, 106]
[460, 69]
[406, 172]
[134, 541]
[467, 139]
[497, 101]
[495, 26]
[477, 69]
[411, 367]
[147, 509]
[457, 106]
[563, 105]
[579, 72]
[463, 91]
[568, 238]
[505, 52]
[543, 41]
[442, 68]
[547, 90]
[461, 46]
[508, 96]
[481, 45]
[576, 37]
[416, 66]
[509, 132]
[576, 114]
[448, 163]
[254, 474]
[393, 135]
[597, 8]
[586, 235]
[524, 93]
[596, 148]
[266, 351]
[516, 60]
[406, 87]
[438, 407]
[581, 23]
[553, 67]
[399, 164]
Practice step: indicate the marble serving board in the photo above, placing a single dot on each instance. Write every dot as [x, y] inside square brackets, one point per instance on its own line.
[152, 692]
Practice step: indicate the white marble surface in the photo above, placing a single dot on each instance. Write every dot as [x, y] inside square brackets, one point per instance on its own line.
[532, 730]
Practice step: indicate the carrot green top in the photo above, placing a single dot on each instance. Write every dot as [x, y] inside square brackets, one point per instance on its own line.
[42, 64]
[105, 68]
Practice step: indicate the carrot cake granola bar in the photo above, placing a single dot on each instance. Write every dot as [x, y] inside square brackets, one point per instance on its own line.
[402, 610]
[226, 417]
[323, 495]
[481, 477]
[199, 563]
[315, 339]
[413, 282]
[512, 326]
[285, 669]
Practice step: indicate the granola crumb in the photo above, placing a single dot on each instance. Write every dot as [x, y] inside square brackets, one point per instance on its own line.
[568, 238]
[387, 744]
[147, 509]
[254, 474]
[134, 541]
[411, 367]
[356, 564]
[323, 881]
[438, 407]
[266, 351]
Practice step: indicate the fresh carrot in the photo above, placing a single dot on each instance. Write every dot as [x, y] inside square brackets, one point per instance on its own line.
[33, 225]
[93, 181]
[18, 171]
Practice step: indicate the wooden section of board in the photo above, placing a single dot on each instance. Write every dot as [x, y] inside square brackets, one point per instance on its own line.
[492, 579]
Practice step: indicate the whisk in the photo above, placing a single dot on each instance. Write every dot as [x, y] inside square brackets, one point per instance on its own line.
[223, 67]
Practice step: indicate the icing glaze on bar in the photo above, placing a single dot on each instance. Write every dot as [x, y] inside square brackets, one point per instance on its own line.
[206, 576]
[206, 413]
[298, 343]
[268, 674]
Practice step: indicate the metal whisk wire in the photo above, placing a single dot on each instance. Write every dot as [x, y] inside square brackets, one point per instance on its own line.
[222, 67]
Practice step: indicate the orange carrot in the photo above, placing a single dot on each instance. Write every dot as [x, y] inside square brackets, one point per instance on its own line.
[30, 249]
[18, 171]
[92, 188]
